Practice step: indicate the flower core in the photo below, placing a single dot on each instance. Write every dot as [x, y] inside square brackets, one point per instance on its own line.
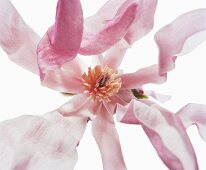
[101, 83]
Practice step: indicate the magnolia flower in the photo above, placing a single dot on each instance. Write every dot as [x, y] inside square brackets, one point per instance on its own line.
[99, 92]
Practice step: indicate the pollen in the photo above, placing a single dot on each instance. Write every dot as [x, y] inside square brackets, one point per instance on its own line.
[101, 83]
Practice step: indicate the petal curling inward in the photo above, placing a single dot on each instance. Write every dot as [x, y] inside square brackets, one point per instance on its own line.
[105, 134]
[194, 114]
[165, 131]
[141, 77]
[111, 32]
[143, 22]
[17, 39]
[180, 37]
[62, 41]
[45, 142]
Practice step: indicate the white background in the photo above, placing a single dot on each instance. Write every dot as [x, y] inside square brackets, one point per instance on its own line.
[21, 92]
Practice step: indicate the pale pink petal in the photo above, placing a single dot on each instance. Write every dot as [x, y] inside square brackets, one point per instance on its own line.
[180, 37]
[45, 142]
[97, 59]
[80, 105]
[62, 41]
[143, 22]
[97, 41]
[105, 134]
[125, 95]
[141, 77]
[67, 79]
[114, 56]
[106, 12]
[160, 97]
[194, 114]
[61, 81]
[17, 39]
[165, 131]
[111, 106]
[124, 114]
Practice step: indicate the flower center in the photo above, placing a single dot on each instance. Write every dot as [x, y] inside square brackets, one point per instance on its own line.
[101, 83]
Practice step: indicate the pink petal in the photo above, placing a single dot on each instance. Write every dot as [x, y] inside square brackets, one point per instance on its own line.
[194, 114]
[141, 77]
[62, 41]
[105, 134]
[180, 37]
[106, 12]
[17, 39]
[115, 55]
[113, 30]
[160, 97]
[165, 131]
[143, 22]
[67, 79]
[79, 105]
[97, 59]
[45, 142]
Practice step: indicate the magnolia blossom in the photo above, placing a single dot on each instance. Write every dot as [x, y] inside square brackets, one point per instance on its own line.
[100, 91]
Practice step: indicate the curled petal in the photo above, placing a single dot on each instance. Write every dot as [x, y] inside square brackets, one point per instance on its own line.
[115, 54]
[194, 114]
[142, 77]
[105, 134]
[17, 39]
[62, 41]
[165, 131]
[45, 142]
[143, 22]
[110, 33]
[180, 37]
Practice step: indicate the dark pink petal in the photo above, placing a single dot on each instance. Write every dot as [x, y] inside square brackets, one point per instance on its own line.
[45, 142]
[180, 37]
[165, 131]
[67, 79]
[62, 41]
[142, 77]
[194, 114]
[17, 39]
[114, 56]
[143, 22]
[96, 40]
[105, 134]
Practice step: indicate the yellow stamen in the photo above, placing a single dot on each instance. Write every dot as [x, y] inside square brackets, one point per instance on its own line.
[101, 83]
